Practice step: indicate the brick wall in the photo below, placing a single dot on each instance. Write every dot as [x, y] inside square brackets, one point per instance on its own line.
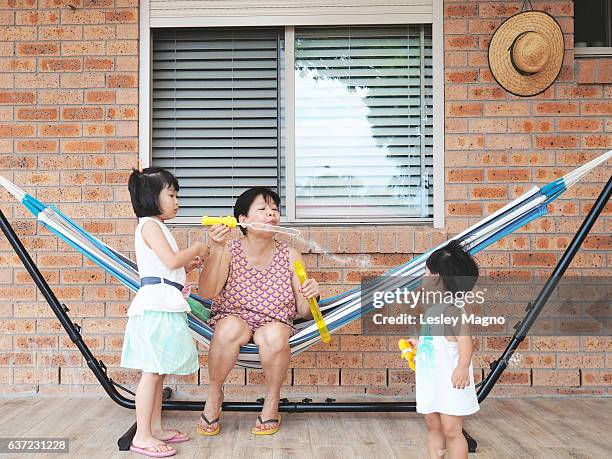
[68, 133]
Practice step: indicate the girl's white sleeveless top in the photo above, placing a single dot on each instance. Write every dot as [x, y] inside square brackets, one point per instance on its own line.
[158, 297]
[436, 360]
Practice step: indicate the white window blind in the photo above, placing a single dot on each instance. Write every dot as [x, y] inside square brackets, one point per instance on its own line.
[363, 122]
[215, 117]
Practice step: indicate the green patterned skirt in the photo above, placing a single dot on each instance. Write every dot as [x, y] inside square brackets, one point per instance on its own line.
[159, 342]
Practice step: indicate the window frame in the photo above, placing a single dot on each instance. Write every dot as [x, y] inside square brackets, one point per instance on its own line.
[592, 51]
[145, 122]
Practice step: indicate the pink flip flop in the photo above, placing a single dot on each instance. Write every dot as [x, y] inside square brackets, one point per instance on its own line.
[149, 451]
[178, 437]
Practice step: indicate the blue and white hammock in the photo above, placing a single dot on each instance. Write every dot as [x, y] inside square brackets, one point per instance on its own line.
[339, 310]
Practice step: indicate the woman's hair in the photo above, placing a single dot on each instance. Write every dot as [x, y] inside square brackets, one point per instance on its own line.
[458, 270]
[145, 188]
[244, 201]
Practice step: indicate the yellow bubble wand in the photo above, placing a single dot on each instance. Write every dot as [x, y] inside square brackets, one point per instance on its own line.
[231, 222]
[408, 353]
[314, 306]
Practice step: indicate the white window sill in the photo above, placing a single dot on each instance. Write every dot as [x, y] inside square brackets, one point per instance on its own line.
[602, 51]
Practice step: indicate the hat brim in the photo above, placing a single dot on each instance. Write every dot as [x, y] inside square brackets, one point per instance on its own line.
[500, 62]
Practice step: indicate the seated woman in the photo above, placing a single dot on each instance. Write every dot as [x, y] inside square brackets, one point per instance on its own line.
[256, 294]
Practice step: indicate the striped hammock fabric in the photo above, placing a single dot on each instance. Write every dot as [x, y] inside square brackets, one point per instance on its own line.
[339, 310]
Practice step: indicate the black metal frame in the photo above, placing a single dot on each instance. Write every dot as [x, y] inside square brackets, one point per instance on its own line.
[306, 405]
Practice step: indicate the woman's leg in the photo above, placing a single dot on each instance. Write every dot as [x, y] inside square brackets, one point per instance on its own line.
[452, 427]
[435, 435]
[274, 353]
[146, 395]
[230, 333]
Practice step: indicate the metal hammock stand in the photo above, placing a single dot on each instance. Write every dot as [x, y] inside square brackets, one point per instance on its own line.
[306, 405]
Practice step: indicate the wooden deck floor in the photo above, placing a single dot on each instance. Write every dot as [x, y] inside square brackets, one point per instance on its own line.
[504, 428]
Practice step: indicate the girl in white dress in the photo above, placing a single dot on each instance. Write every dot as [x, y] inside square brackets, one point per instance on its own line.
[157, 339]
[445, 391]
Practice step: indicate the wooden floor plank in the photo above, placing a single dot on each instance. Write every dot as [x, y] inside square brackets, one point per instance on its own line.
[504, 428]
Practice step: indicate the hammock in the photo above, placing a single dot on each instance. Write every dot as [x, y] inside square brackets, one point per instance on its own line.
[338, 311]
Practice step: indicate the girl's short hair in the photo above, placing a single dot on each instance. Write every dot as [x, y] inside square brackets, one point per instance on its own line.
[456, 267]
[244, 201]
[145, 188]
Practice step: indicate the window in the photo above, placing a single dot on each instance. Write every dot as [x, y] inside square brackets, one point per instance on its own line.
[362, 134]
[593, 26]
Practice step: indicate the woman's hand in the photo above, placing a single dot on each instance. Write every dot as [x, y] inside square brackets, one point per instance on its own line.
[219, 235]
[310, 289]
[461, 377]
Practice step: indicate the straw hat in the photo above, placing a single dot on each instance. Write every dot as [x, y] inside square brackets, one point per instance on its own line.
[526, 53]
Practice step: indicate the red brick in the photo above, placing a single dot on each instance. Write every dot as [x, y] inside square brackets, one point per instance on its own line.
[529, 125]
[467, 76]
[37, 49]
[37, 114]
[99, 129]
[466, 175]
[508, 175]
[597, 378]
[515, 377]
[122, 81]
[85, 80]
[578, 125]
[482, 26]
[36, 17]
[91, 146]
[83, 48]
[506, 108]
[460, 42]
[598, 141]
[464, 109]
[99, 64]
[122, 113]
[122, 47]
[464, 209]
[489, 192]
[16, 130]
[17, 98]
[508, 142]
[464, 142]
[60, 33]
[534, 259]
[363, 377]
[80, 16]
[499, 9]
[17, 65]
[462, 10]
[60, 130]
[556, 141]
[37, 146]
[99, 32]
[557, 108]
[586, 69]
[305, 376]
[130, 15]
[83, 113]
[556, 378]
[124, 145]
[486, 93]
[604, 74]
[61, 97]
[60, 65]
[100, 97]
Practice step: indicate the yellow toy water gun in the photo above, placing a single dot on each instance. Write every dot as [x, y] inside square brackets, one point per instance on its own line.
[407, 353]
[314, 306]
[231, 222]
